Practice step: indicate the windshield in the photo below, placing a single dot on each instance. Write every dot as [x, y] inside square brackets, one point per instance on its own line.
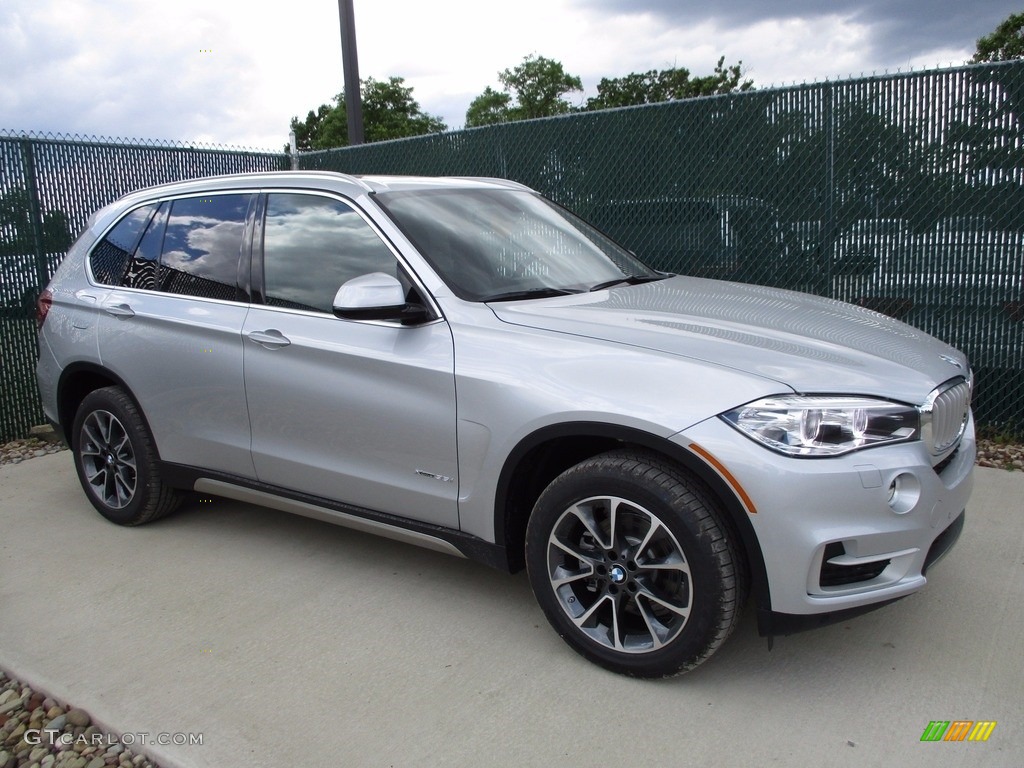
[495, 244]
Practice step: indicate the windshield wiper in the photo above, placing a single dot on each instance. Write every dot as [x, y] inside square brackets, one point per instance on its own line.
[530, 293]
[629, 280]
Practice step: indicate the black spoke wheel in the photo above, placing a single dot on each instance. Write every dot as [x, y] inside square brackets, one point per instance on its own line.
[633, 567]
[116, 460]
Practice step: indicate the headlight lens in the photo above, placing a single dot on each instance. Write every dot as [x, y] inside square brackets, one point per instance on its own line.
[824, 426]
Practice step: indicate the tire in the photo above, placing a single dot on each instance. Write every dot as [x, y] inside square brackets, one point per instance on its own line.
[631, 562]
[116, 460]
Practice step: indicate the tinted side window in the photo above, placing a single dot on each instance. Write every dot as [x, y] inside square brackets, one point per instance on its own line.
[142, 266]
[202, 245]
[109, 259]
[311, 245]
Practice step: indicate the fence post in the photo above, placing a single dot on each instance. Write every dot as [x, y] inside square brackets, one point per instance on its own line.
[830, 235]
[294, 150]
[35, 214]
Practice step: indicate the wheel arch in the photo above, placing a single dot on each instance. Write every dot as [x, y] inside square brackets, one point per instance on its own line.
[544, 454]
[76, 382]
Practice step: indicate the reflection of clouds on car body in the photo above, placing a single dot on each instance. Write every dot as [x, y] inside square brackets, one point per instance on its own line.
[203, 235]
[209, 247]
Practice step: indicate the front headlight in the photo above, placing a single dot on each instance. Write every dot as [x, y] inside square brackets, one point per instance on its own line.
[824, 426]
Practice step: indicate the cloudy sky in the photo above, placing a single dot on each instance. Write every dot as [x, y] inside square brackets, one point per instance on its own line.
[232, 72]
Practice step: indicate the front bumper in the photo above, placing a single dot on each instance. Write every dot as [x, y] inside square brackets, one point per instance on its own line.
[772, 623]
[832, 542]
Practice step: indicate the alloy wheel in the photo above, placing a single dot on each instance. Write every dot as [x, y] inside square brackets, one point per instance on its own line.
[108, 459]
[619, 574]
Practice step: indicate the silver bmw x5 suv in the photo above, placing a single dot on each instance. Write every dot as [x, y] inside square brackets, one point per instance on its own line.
[466, 366]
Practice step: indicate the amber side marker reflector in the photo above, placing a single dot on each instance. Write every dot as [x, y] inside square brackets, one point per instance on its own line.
[726, 475]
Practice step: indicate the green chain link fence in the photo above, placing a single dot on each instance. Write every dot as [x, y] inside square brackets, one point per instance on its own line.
[903, 193]
[49, 186]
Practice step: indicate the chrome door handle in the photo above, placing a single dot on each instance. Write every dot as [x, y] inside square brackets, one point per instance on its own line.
[119, 310]
[270, 338]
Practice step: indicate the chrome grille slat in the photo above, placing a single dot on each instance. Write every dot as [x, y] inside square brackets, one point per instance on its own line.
[946, 411]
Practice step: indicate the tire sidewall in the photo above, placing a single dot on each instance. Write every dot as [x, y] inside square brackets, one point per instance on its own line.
[696, 639]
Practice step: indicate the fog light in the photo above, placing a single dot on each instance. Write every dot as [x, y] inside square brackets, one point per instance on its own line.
[904, 493]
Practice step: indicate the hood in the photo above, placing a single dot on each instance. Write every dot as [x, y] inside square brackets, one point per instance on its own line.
[806, 343]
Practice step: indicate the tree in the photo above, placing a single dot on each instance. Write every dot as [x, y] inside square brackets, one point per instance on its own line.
[489, 108]
[24, 269]
[538, 85]
[308, 132]
[15, 223]
[1005, 43]
[667, 85]
[984, 142]
[389, 112]
[16, 231]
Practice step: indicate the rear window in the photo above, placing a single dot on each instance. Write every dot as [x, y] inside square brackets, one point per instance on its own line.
[109, 259]
[190, 246]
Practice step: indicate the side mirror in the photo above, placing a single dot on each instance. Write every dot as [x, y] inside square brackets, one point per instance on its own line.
[376, 296]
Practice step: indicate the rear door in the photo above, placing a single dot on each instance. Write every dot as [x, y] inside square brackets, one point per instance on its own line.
[359, 412]
[171, 329]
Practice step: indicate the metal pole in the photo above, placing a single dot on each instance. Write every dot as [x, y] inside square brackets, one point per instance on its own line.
[350, 63]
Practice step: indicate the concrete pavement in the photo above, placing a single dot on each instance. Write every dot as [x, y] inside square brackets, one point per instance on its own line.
[285, 641]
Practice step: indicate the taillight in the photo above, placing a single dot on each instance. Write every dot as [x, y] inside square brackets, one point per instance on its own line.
[43, 307]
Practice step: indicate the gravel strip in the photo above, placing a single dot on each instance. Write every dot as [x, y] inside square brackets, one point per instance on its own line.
[17, 451]
[1000, 455]
[37, 731]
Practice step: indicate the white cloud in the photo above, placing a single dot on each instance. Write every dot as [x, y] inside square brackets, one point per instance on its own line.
[235, 73]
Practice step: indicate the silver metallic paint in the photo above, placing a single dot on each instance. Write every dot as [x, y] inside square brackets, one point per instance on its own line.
[190, 386]
[807, 343]
[349, 411]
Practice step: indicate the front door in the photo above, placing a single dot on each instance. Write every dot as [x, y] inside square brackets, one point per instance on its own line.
[360, 412]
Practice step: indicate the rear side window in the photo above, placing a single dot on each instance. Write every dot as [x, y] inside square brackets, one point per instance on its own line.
[313, 244]
[142, 266]
[109, 259]
[202, 244]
